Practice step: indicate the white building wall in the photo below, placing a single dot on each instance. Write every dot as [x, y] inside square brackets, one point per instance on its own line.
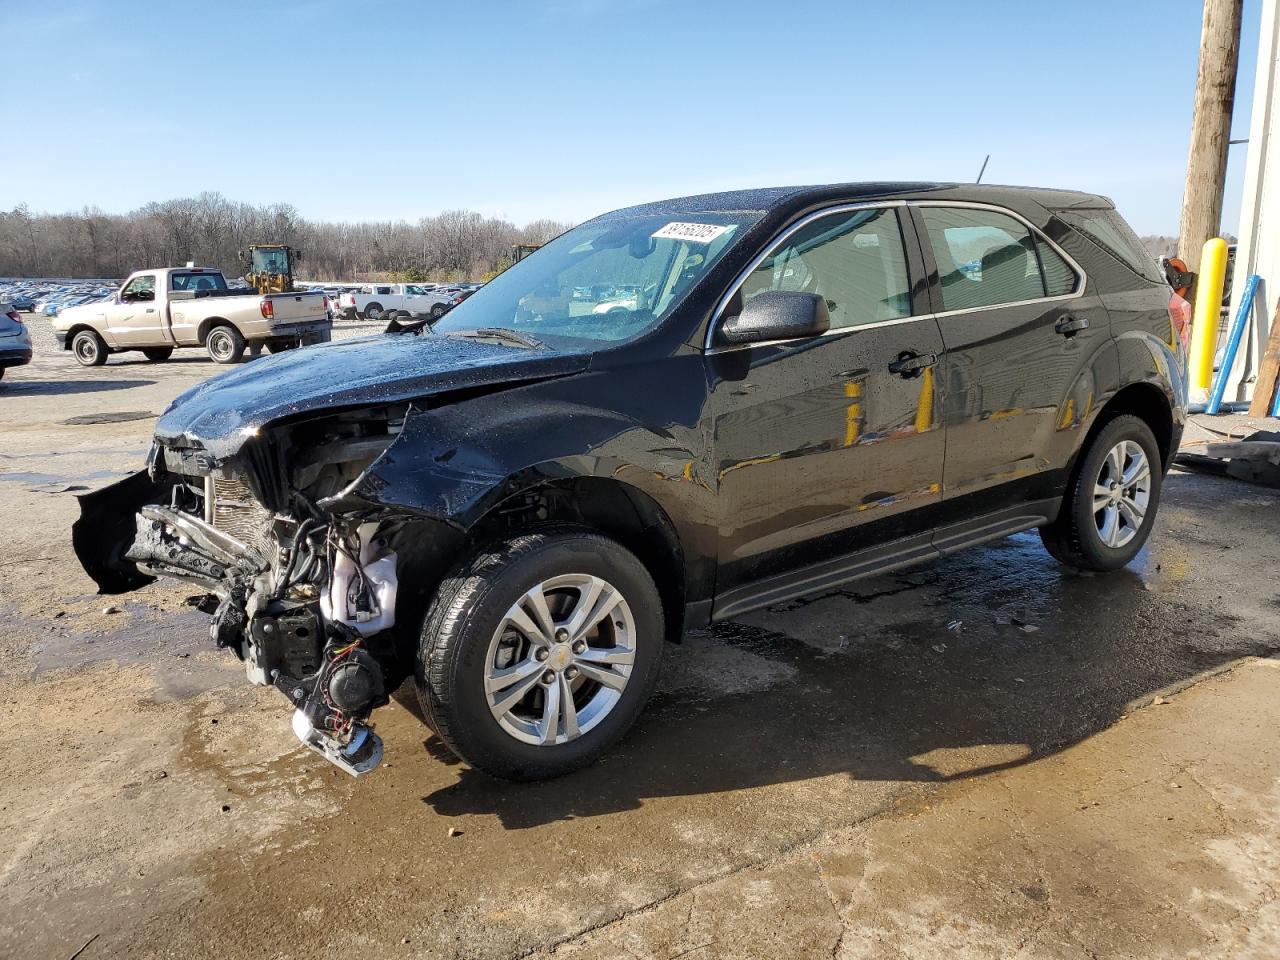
[1258, 250]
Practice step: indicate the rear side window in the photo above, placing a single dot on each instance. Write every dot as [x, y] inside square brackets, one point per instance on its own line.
[855, 260]
[986, 258]
[197, 281]
[1108, 230]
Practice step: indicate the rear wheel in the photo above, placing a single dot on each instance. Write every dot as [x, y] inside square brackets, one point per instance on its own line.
[225, 344]
[1110, 508]
[157, 354]
[438, 311]
[89, 348]
[540, 652]
[373, 311]
[280, 346]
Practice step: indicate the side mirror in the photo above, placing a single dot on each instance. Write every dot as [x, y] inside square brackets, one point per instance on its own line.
[778, 315]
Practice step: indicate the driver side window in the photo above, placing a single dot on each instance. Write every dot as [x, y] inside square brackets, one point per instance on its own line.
[855, 260]
[139, 289]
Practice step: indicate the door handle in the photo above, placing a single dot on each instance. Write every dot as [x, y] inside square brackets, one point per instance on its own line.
[1070, 326]
[151, 309]
[909, 365]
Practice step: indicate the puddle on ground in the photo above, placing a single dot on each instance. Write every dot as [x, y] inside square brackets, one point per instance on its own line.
[118, 416]
[170, 641]
[131, 452]
[37, 480]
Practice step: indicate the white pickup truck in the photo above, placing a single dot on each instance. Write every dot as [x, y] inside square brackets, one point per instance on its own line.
[416, 299]
[155, 311]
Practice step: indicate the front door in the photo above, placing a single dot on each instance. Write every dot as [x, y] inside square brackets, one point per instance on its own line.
[829, 444]
[1019, 328]
[134, 319]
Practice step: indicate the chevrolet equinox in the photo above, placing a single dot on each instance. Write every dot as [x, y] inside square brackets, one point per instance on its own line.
[672, 414]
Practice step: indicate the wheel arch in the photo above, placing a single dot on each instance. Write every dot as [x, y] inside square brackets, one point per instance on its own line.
[609, 506]
[1147, 402]
[207, 325]
[76, 330]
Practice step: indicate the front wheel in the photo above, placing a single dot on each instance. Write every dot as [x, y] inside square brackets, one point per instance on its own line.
[1110, 508]
[225, 344]
[89, 348]
[540, 652]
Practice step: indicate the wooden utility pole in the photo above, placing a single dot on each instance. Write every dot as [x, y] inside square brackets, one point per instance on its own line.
[1210, 127]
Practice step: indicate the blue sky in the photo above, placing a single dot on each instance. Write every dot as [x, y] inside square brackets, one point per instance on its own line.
[565, 108]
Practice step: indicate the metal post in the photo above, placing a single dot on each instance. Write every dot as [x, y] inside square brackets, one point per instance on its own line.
[1204, 324]
[1233, 344]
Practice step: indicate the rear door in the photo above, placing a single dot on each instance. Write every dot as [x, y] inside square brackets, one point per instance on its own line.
[827, 445]
[1020, 327]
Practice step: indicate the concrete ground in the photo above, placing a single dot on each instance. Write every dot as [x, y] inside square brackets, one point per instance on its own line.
[988, 756]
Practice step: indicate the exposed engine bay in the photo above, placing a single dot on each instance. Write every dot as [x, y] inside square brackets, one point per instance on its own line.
[304, 594]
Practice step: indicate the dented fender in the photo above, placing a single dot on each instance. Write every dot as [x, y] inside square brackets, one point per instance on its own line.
[453, 464]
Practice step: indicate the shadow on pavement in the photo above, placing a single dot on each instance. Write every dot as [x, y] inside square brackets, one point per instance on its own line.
[50, 388]
[1042, 658]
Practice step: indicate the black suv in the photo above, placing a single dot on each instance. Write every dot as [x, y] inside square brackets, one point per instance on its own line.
[672, 414]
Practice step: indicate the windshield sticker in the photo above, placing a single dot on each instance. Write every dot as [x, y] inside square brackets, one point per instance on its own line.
[692, 232]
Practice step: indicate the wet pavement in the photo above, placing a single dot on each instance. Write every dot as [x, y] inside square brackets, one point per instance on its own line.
[970, 758]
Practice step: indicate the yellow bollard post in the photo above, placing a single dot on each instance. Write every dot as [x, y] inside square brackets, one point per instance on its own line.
[1204, 324]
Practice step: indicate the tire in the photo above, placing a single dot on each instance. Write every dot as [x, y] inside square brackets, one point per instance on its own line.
[157, 354]
[437, 311]
[373, 311]
[1108, 538]
[225, 344]
[280, 346]
[467, 634]
[89, 348]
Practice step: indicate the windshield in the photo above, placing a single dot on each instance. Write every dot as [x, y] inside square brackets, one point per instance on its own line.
[270, 261]
[602, 282]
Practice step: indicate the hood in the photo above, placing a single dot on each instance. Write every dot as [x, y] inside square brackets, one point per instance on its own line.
[221, 413]
[82, 311]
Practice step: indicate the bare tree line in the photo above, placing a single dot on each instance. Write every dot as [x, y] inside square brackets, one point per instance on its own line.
[211, 230]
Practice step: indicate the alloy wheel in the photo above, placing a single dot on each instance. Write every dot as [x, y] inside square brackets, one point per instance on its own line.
[1121, 494]
[559, 660]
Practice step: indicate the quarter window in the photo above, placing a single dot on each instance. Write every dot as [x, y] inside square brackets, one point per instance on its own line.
[1108, 230]
[855, 260]
[986, 259]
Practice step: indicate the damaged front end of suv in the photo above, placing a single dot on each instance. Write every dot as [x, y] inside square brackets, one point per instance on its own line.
[304, 595]
[275, 490]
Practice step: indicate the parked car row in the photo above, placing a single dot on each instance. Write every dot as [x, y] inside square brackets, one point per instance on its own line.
[49, 297]
[371, 301]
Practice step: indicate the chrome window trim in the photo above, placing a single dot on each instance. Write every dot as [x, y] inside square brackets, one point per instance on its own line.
[1082, 282]
[717, 315]
[728, 347]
